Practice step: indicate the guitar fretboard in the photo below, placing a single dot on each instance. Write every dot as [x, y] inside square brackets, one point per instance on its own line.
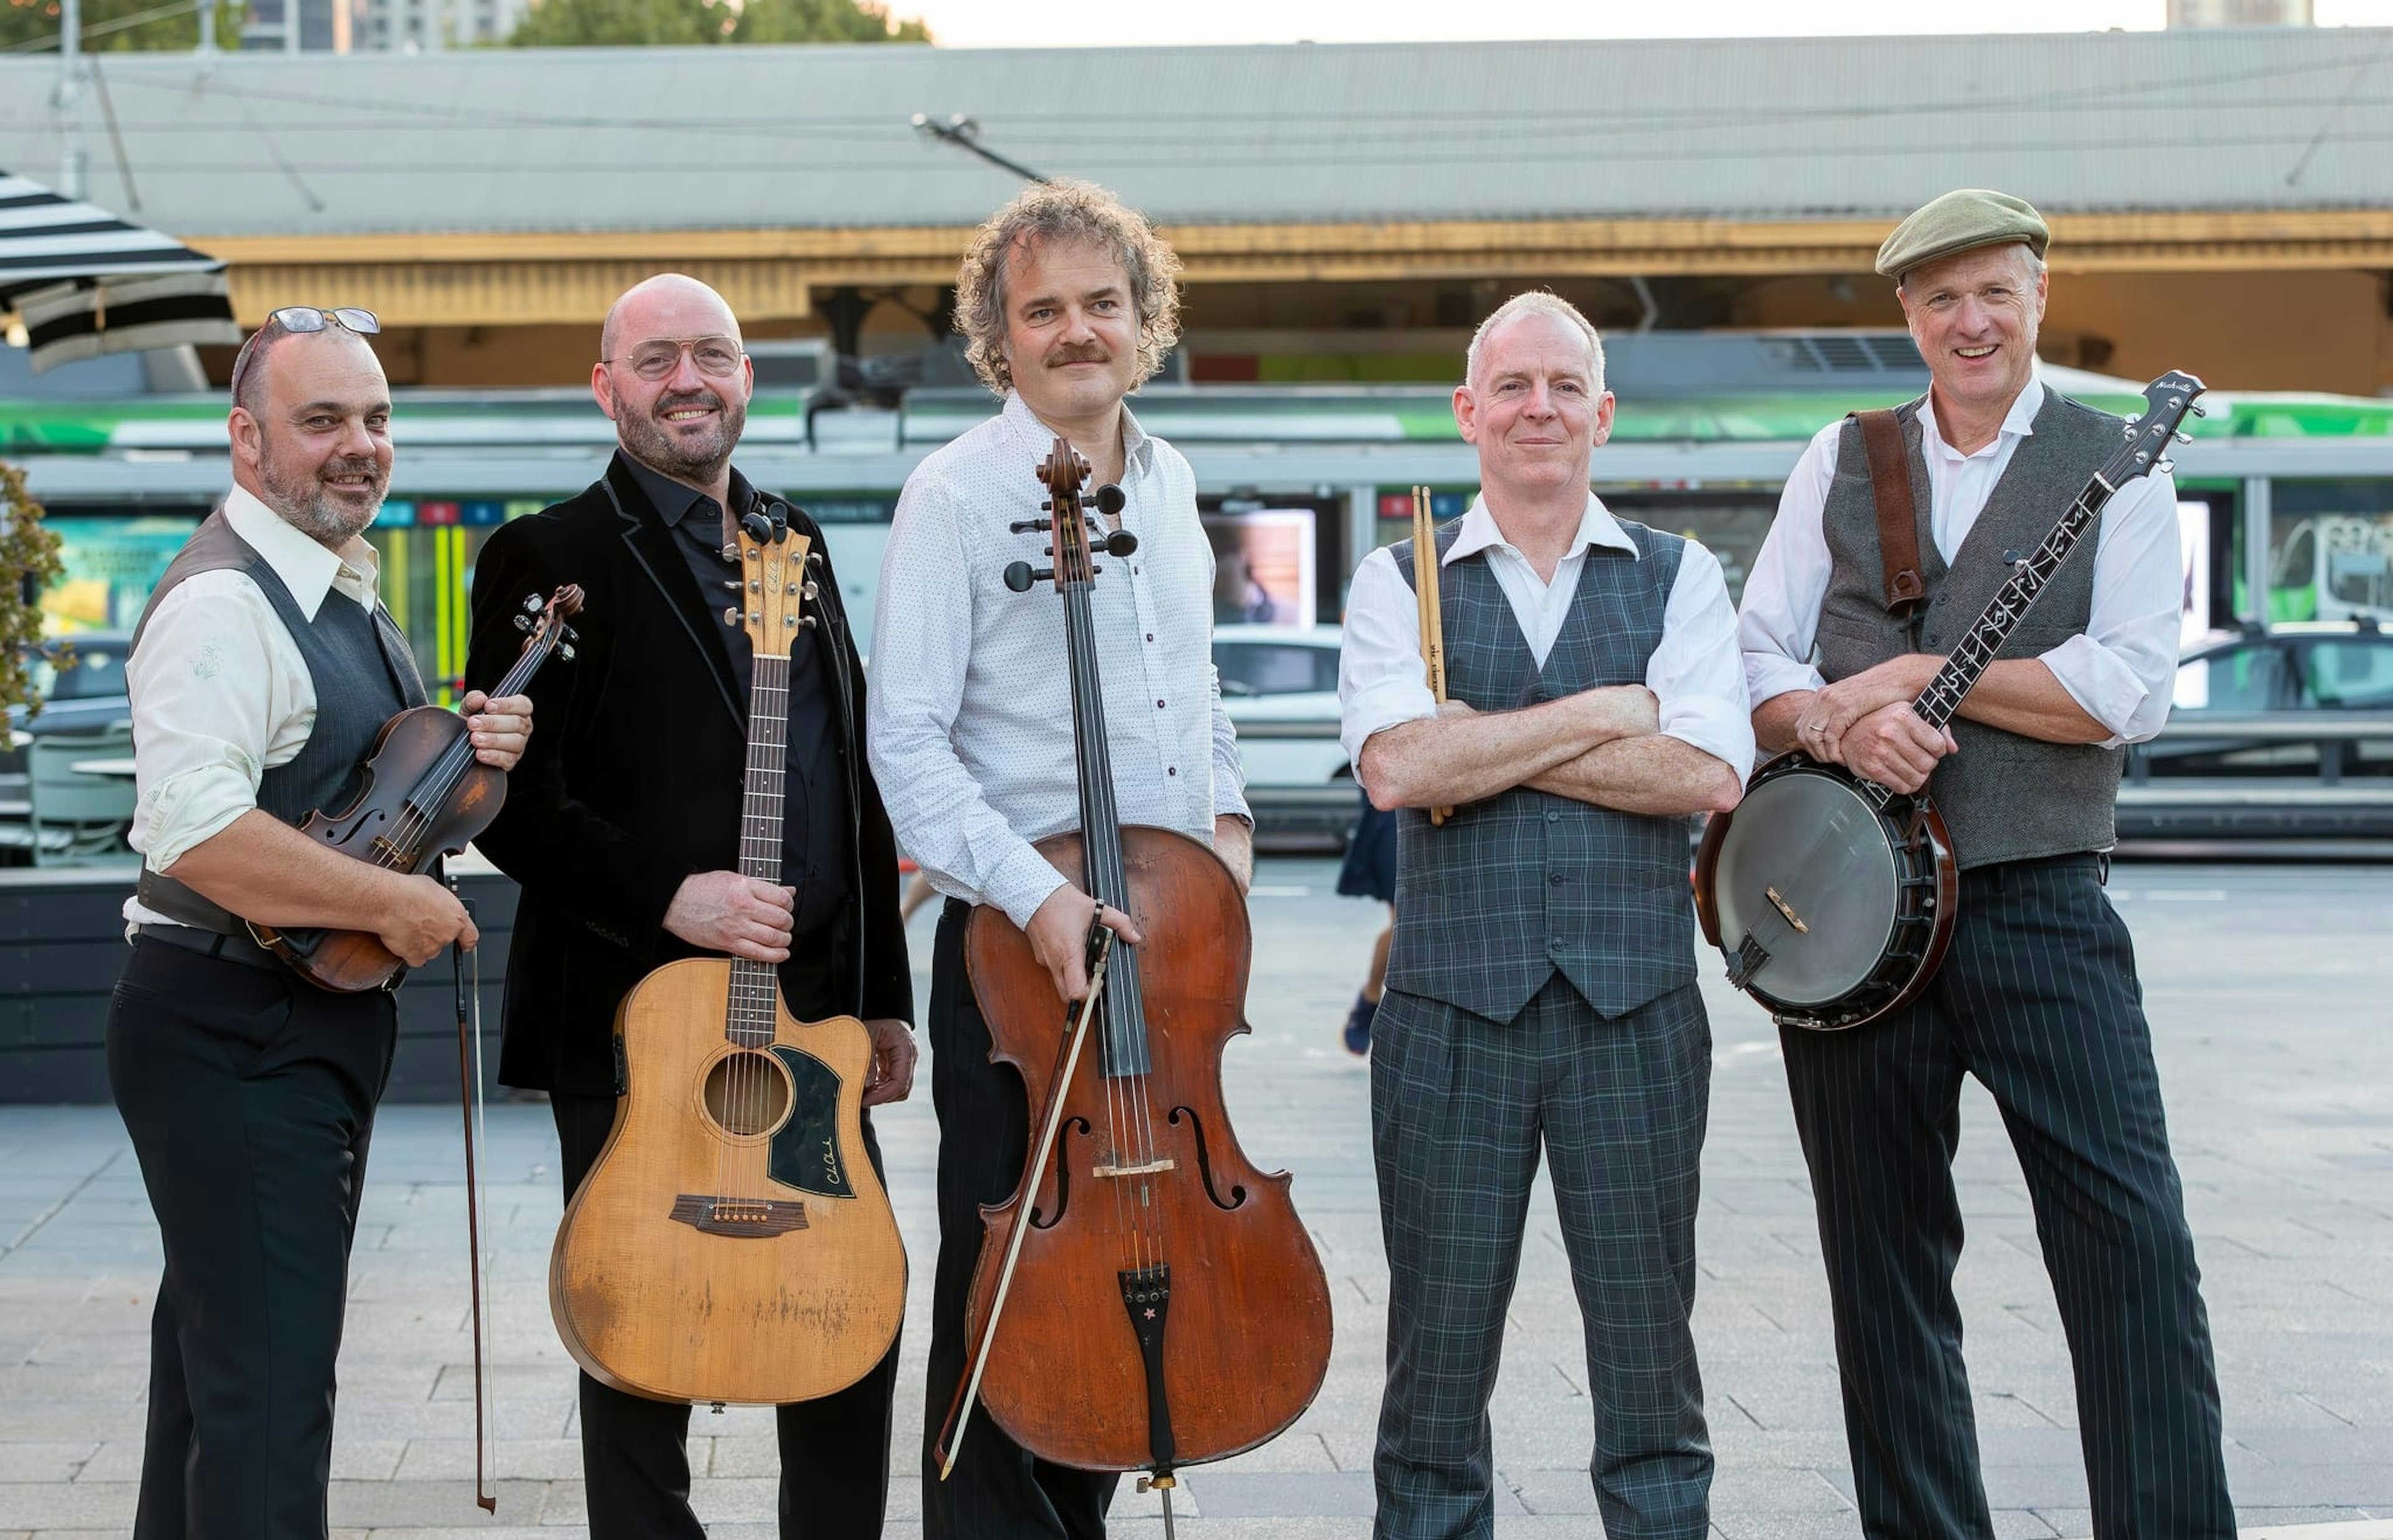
[755, 990]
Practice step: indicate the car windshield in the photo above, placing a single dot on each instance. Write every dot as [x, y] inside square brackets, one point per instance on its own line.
[95, 670]
[2349, 673]
[1275, 668]
[2246, 677]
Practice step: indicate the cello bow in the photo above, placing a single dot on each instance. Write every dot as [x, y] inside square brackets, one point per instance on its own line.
[1101, 945]
[470, 1101]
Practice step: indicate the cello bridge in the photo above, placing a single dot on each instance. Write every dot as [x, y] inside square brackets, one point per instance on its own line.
[1146, 1168]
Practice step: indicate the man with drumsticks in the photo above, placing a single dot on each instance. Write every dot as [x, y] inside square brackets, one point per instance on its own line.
[2038, 996]
[1540, 988]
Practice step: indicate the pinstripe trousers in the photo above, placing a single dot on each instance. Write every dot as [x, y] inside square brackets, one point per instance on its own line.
[2038, 998]
[1459, 1107]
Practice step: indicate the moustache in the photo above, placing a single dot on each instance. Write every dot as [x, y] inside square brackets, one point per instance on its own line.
[687, 399]
[368, 467]
[1064, 356]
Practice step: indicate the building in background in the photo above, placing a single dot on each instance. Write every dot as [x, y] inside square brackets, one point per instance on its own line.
[420, 26]
[2240, 13]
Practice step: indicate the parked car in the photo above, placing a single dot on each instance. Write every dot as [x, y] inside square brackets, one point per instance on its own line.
[2286, 735]
[87, 695]
[1280, 686]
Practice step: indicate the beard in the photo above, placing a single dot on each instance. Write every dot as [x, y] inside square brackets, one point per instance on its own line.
[308, 503]
[648, 440]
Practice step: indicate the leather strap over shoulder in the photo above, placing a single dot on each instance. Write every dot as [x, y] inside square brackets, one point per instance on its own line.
[1897, 520]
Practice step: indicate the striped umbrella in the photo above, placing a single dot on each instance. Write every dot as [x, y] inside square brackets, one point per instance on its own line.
[85, 282]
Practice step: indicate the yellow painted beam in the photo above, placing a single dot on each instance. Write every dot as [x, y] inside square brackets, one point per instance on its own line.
[500, 278]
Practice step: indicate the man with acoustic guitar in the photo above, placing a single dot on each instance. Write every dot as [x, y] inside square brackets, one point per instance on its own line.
[1067, 301]
[1541, 995]
[1878, 576]
[624, 829]
[263, 670]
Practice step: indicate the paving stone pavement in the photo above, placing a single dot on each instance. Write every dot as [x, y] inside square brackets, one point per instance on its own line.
[2268, 991]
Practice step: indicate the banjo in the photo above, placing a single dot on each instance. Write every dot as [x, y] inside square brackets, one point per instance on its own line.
[1834, 897]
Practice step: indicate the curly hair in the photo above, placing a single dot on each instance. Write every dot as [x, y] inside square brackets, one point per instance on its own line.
[1071, 212]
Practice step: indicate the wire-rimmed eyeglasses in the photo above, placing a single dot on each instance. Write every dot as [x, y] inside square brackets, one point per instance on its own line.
[654, 360]
[302, 318]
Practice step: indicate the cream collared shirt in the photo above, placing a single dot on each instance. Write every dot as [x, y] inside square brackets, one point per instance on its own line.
[220, 692]
[1696, 673]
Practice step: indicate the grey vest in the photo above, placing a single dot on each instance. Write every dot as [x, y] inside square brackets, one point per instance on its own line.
[363, 675]
[1511, 889]
[2005, 797]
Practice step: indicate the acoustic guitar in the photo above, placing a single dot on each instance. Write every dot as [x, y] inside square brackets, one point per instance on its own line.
[1833, 897]
[733, 1242]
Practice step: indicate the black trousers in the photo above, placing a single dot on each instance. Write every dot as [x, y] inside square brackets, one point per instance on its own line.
[2038, 998]
[999, 1490]
[250, 1099]
[635, 1451]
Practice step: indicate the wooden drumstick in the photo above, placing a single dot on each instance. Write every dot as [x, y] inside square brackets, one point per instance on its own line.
[1433, 619]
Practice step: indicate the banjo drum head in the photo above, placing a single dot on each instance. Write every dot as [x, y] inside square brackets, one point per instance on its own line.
[1816, 841]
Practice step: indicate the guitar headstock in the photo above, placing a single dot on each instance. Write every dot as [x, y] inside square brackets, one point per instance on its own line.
[772, 580]
[543, 622]
[2167, 401]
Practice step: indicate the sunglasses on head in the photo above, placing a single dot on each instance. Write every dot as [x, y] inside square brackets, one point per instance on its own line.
[302, 318]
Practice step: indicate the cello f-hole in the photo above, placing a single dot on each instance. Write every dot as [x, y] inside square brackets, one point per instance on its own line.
[1237, 1197]
[1062, 1177]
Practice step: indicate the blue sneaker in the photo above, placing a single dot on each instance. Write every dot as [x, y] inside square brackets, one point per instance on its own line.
[1358, 1027]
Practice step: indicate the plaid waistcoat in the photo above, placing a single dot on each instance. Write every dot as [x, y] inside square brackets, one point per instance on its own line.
[1512, 888]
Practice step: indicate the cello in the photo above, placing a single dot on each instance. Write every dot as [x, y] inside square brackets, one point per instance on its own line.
[1145, 1299]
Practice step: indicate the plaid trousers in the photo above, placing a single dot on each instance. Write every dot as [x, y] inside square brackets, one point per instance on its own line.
[1460, 1108]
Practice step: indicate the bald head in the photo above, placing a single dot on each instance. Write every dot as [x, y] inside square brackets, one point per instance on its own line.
[670, 304]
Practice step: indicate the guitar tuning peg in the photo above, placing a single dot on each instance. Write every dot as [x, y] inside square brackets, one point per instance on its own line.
[731, 615]
[2197, 410]
[810, 593]
[2182, 437]
[806, 622]
[2164, 465]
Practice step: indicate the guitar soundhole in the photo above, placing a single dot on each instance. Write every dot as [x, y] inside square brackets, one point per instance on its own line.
[747, 1093]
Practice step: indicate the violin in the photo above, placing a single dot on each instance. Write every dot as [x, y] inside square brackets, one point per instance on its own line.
[423, 795]
[1145, 1299]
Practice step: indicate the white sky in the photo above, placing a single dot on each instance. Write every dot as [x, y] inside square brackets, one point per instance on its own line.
[1051, 23]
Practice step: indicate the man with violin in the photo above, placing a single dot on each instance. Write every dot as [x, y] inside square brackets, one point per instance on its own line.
[262, 672]
[623, 827]
[1067, 301]
[1541, 989]
[2037, 996]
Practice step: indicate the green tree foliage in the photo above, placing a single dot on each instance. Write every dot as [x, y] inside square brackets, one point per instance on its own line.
[109, 26]
[651, 23]
[29, 563]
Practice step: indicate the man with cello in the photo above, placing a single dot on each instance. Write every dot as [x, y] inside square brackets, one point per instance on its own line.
[1068, 301]
[1541, 990]
[262, 672]
[624, 830]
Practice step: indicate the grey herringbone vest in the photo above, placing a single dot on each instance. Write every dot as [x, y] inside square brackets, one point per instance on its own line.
[1512, 888]
[2004, 796]
[363, 675]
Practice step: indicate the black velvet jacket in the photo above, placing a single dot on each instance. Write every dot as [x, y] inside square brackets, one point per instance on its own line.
[633, 777]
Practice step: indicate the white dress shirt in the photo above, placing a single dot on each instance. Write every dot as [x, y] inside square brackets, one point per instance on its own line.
[1694, 672]
[220, 692]
[2122, 669]
[970, 688]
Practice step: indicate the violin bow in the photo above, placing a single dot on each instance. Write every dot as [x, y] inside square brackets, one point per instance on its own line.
[951, 1436]
[1432, 618]
[469, 1087]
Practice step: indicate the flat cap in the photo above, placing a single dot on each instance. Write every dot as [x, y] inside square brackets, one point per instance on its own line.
[1961, 221]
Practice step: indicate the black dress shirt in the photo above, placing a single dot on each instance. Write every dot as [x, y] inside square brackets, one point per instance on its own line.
[815, 814]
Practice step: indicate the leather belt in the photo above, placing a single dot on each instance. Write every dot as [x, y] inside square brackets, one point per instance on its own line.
[227, 948]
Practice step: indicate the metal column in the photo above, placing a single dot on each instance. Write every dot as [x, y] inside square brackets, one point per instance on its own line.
[2258, 517]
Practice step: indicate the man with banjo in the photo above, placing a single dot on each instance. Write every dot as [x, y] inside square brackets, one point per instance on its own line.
[1541, 992]
[2037, 994]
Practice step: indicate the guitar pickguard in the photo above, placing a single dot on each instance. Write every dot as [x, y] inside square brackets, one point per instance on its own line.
[804, 1152]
